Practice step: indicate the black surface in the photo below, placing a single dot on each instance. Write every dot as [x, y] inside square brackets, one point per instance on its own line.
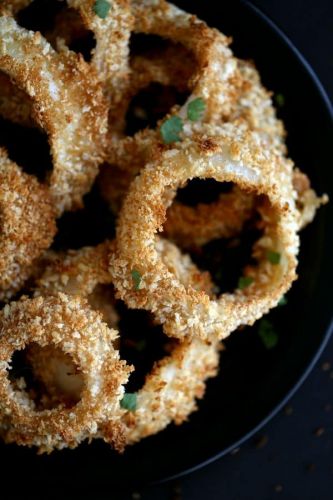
[231, 410]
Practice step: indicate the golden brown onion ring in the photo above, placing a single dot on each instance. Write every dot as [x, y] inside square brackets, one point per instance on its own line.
[67, 323]
[27, 224]
[68, 105]
[227, 154]
[171, 389]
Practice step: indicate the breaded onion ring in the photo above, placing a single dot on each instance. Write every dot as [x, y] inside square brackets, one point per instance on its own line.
[27, 224]
[216, 65]
[171, 389]
[231, 154]
[170, 392]
[69, 324]
[68, 105]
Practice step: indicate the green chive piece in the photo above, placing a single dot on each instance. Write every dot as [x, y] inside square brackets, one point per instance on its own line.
[244, 282]
[136, 277]
[196, 109]
[273, 257]
[280, 100]
[171, 129]
[129, 401]
[267, 334]
[141, 345]
[283, 301]
[102, 8]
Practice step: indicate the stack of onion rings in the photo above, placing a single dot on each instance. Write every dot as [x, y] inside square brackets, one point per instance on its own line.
[83, 106]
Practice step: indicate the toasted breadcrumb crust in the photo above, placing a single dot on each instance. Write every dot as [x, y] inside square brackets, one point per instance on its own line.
[171, 389]
[68, 323]
[27, 221]
[67, 103]
[232, 154]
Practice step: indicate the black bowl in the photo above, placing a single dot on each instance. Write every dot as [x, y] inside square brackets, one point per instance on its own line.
[253, 383]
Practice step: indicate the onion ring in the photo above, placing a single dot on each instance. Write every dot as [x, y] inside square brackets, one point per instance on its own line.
[68, 105]
[27, 225]
[184, 371]
[230, 154]
[80, 333]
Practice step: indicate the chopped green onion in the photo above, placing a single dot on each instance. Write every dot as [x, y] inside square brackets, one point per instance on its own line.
[267, 334]
[280, 100]
[273, 257]
[283, 301]
[136, 277]
[171, 129]
[102, 8]
[140, 345]
[196, 109]
[129, 401]
[244, 282]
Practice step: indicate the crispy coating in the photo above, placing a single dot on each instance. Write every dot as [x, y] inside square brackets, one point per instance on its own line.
[15, 105]
[171, 389]
[216, 65]
[232, 154]
[307, 200]
[27, 225]
[69, 324]
[68, 105]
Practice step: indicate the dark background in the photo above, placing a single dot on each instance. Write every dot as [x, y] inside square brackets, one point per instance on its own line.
[292, 457]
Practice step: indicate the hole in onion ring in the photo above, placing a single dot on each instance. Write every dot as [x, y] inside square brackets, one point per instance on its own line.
[28, 147]
[89, 226]
[150, 105]
[202, 191]
[46, 376]
[142, 343]
[26, 144]
[56, 21]
[218, 224]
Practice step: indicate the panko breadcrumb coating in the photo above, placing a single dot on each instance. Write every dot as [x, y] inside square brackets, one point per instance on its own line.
[27, 222]
[68, 323]
[67, 103]
[227, 154]
[227, 130]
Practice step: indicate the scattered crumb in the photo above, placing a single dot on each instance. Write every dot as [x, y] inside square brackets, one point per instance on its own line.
[261, 441]
[136, 495]
[319, 431]
[234, 451]
[278, 488]
[326, 366]
[311, 467]
[288, 410]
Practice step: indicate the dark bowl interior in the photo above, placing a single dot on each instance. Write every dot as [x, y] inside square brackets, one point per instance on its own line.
[253, 381]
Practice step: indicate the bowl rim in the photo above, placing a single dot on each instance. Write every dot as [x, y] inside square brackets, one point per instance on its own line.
[329, 330]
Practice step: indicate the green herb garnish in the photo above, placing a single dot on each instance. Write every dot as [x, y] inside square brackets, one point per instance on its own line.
[283, 301]
[267, 334]
[171, 129]
[129, 401]
[196, 109]
[244, 282]
[273, 257]
[280, 100]
[101, 8]
[136, 277]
